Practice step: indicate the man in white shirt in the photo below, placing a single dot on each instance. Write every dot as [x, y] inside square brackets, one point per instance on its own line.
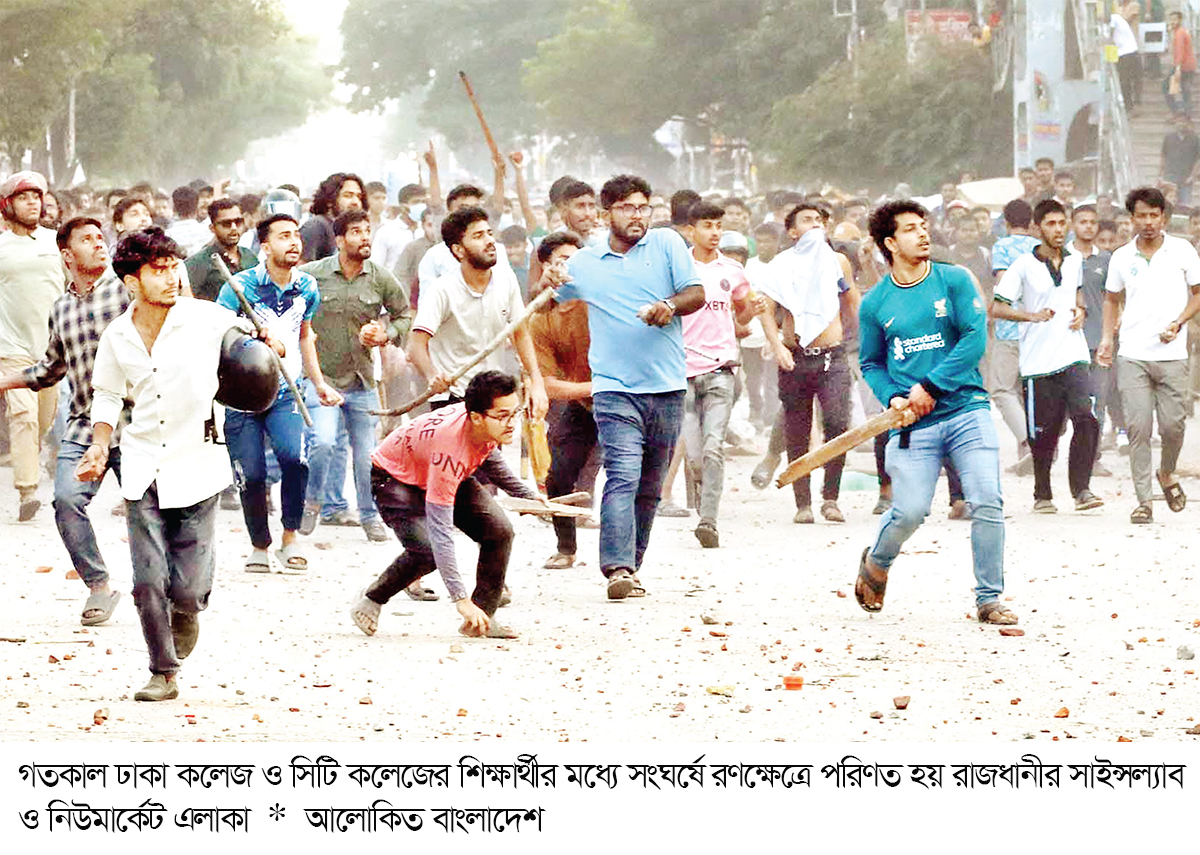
[191, 234]
[1129, 62]
[1040, 290]
[1159, 276]
[439, 260]
[162, 354]
[394, 235]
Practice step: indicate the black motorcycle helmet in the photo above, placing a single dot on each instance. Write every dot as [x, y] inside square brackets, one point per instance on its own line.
[248, 373]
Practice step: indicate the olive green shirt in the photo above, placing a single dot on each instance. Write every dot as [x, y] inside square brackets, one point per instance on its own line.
[346, 306]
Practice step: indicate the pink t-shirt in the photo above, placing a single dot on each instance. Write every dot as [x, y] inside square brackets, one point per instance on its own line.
[709, 340]
[433, 452]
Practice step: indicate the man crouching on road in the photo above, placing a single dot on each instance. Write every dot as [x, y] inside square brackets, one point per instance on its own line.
[422, 484]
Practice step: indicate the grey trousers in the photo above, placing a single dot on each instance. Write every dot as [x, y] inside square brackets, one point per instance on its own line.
[706, 410]
[1003, 381]
[174, 556]
[1149, 389]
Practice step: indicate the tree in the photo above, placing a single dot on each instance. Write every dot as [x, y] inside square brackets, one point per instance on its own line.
[895, 120]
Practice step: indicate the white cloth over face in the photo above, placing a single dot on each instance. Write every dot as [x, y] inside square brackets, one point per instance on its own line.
[805, 281]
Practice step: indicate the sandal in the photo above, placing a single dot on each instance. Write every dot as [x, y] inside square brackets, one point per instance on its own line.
[1173, 493]
[291, 560]
[416, 591]
[997, 613]
[494, 630]
[258, 562]
[365, 613]
[559, 561]
[637, 590]
[101, 607]
[1142, 514]
[873, 582]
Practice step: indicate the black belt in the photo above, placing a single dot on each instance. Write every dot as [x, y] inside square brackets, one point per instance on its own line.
[817, 351]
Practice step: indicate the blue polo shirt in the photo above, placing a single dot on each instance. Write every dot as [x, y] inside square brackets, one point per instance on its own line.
[281, 310]
[627, 354]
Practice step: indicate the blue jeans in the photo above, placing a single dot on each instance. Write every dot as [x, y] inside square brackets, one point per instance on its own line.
[638, 434]
[71, 500]
[323, 440]
[174, 556]
[969, 441]
[247, 435]
[333, 496]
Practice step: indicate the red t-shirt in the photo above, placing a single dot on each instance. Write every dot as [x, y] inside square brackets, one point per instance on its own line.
[433, 452]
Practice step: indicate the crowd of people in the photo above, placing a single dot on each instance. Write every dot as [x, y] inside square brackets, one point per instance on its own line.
[117, 309]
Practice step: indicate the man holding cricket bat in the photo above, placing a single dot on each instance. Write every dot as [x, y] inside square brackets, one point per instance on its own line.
[923, 331]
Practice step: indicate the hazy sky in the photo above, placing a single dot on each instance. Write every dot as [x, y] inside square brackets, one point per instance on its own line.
[321, 18]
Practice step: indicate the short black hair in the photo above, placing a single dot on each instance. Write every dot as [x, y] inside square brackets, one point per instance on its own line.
[704, 211]
[621, 187]
[263, 229]
[681, 203]
[514, 236]
[553, 241]
[375, 187]
[883, 221]
[325, 199]
[409, 192]
[456, 223]
[143, 247]
[1106, 226]
[561, 183]
[1064, 174]
[1018, 214]
[736, 202]
[1046, 207]
[217, 206]
[1042, 160]
[464, 190]
[249, 203]
[128, 202]
[68, 228]
[485, 387]
[806, 205]
[116, 191]
[344, 221]
[1151, 196]
[769, 229]
[1083, 209]
[184, 200]
[574, 190]
[1026, 170]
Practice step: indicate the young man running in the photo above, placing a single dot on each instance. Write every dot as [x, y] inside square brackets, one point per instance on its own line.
[1041, 291]
[924, 331]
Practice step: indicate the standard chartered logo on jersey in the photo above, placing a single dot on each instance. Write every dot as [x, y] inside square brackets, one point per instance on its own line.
[901, 347]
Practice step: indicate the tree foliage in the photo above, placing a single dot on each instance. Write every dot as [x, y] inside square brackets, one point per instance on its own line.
[923, 121]
[164, 90]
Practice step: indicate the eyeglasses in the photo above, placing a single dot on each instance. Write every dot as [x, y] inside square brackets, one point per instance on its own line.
[505, 416]
[628, 209]
[235, 221]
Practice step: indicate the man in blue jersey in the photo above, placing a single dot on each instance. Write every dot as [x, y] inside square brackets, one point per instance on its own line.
[923, 331]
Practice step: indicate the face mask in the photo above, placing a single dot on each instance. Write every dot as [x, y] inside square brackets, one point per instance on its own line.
[415, 211]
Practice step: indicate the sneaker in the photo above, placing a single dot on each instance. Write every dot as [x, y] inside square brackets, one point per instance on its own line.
[376, 531]
[344, 518]
[185, 629]
[1044, 506]
[365, 613]
[707, 534]
[764, 471]
[831, 511]
[308, 522]
[804, 516]
[620, 583]
[158, 689]
[959, 510]
[670, 509]
[1086, 500]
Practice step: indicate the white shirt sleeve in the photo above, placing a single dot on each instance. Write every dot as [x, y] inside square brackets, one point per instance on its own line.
[431, 308]
[1115, 282]
[108, 384]
[1191, 264]
[1010, 285]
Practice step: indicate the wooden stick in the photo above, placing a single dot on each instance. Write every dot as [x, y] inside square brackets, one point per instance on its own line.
[839, 445]
[534, 305]
[533, 506]
[249, 310]
[482, 121]
[579, 498]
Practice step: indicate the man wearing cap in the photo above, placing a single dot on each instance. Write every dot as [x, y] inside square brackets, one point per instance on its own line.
[31, 279]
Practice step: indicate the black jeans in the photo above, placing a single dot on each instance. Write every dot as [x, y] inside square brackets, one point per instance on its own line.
[1049, 402]
[572, 439]
[476, 514]
[825, 377]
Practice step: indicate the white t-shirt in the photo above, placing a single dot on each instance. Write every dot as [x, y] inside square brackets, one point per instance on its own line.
[1156, 292]
[389, 241]
[1123, 37]
[756, 271]
[32, 277]
[1050, 346]
[463, 321]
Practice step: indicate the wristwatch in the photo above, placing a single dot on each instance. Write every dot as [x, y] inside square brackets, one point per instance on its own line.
[670, 305]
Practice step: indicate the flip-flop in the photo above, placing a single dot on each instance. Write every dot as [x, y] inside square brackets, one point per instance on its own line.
[290, 559]
[494, 630]
[258, 562]
[416, 591]
[1173, 494]
[102, 603]
[997, 613]
[365, 613]
[559, 561]
[877, 587]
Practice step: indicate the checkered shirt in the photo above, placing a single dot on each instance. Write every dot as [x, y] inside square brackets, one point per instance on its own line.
[76, 324]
